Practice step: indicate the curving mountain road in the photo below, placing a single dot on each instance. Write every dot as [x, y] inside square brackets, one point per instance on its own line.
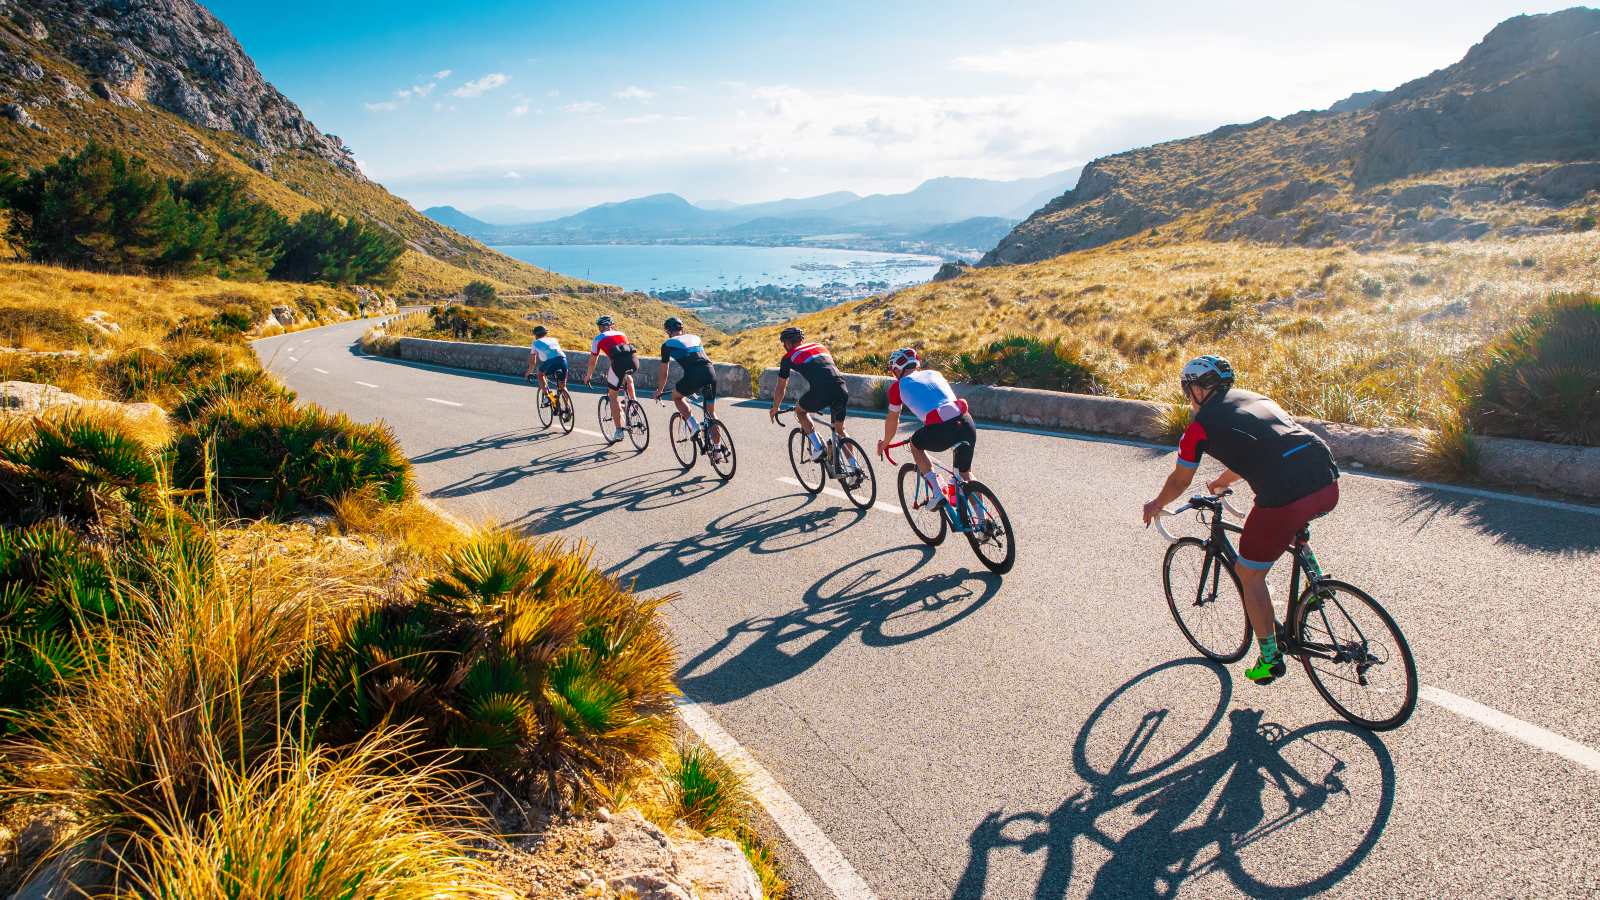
[1051, 733]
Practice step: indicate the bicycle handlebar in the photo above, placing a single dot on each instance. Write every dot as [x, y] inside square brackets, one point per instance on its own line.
[1222, 498]
[888, 447]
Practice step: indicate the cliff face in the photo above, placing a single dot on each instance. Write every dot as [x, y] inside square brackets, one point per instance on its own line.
[172, 54]
[1406, 165]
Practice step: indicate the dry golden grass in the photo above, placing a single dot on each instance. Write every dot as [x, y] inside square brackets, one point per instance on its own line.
[1371, 338]
[413, 526]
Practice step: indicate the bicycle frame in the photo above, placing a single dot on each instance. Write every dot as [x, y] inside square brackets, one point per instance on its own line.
[952, 476]
[832, 459]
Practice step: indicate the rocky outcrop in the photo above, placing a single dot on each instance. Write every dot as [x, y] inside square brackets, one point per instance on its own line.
[952, 270]
[172, 54]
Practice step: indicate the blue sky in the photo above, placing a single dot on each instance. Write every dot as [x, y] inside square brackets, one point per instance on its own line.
[555, 105]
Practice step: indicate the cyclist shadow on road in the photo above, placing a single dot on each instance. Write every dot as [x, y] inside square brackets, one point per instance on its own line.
[636, 493]
[572, 458]
[505, 440]
[1541, 529]
[882, 598]
[774, 525]
[1277, 813]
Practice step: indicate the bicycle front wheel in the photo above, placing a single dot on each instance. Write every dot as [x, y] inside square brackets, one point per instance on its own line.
[638, 425]
[565, 414]
[921, 506]
[719, 449]
[546, 414]
[682, 440]
[813, 474]
[602, 415]
[855, 474]
[989, 529]
[1206, 601]
[1355, 655]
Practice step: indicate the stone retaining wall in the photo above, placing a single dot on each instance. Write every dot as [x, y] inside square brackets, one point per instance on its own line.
[511, 359]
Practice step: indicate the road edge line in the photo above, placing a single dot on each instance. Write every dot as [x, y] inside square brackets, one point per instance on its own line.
[1526, 732]
[827, 861]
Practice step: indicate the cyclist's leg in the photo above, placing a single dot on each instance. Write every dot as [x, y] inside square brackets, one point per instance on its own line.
[928, 438]
[966, 442]
[613, 387]
[627, 382]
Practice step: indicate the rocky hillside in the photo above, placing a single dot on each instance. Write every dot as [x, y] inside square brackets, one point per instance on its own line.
[166, 80]
[1506, 141]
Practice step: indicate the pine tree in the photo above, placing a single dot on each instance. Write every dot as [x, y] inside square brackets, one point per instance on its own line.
[98, 209]
[322, 246]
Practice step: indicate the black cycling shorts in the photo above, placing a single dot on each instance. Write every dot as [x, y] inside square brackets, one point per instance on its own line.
[834, 397]
[623, 364]
[698, 379]
[943, 436]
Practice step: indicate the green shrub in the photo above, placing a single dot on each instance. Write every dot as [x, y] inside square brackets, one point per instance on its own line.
[1027, 362]
[272, 457]
[1541, 381]
[479, 293]
[252, 386]
[323, 246]
[77, 469]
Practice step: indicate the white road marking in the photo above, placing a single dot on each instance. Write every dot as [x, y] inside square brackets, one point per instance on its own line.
[366, 384]
[825, 858]
[445, 402]
[878, 505]
[323, 371]
[589, 433]
[294, 359]
[1526, 732]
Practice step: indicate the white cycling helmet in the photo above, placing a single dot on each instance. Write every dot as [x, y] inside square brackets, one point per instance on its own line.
[904, 360]
[1207, 371]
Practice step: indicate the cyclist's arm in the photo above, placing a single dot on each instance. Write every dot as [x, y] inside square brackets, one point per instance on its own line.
[778, 392]
[1224, 481]
[588, 375]
[891, 423]
[533, 358]
[1177, 482]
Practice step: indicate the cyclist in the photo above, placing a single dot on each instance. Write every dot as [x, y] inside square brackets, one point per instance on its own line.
[619, 377]
[946, 422]
[825, 387]
[698, 376]
[1291, 471]
[546, 355]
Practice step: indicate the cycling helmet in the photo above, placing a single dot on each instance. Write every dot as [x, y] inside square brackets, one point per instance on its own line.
[791, 334]
[904, 360]
[539, 331]
[673, 323]
[1207, 371]
[604, 322]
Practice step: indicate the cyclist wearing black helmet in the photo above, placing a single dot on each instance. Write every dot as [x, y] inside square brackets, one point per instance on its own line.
[698, 376]
[825, 387]
[1291, 471]
[619, 376]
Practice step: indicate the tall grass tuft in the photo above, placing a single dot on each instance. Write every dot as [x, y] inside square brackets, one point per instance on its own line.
[1028, 362]
[1451, 451]
[1541, 381]
[703, 792]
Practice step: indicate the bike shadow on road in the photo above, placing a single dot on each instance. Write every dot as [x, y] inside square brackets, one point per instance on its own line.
[886, 598]
[1275, 812]
[774, 525]
[1524, 525]
[636, 493]
[573, 458]
[505, 440]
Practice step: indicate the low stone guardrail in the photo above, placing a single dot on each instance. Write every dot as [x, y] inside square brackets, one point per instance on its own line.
[512, 359]
[1561, 468]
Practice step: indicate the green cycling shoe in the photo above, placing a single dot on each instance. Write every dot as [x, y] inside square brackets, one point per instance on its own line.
[1265, 672]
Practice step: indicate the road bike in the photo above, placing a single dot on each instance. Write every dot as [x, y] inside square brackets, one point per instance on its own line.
[842, 457]
[633, 418]
[710, 438]
[1363, 669]
[965, 507]
[555, 405]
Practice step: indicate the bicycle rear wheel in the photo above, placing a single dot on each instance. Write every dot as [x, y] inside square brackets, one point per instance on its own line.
[921, 507]
[542, 404]
[566, 414]
[719, 449]
[1206, 601]
[855, 474]
[682, 440]
[812, 475]
[989, 529]
[638, 425]
[1356, 656]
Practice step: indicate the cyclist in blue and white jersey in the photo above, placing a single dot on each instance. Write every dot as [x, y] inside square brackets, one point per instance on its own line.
[698, 376]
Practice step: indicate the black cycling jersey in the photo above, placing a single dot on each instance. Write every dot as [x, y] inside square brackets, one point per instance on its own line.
[1253, 436]
[811, 360]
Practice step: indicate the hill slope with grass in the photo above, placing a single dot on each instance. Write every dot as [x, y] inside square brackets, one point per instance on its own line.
[1505, 142]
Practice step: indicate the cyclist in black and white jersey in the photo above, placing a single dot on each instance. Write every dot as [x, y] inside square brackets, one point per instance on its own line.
[698, 376]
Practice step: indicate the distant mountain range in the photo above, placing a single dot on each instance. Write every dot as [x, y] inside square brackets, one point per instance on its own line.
[949, 216]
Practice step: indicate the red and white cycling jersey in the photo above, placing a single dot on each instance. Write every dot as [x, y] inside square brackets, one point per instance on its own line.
[613, 343]
[928, 396]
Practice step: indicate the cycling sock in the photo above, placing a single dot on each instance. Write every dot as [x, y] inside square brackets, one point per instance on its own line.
[933, 485]
[1269, 647]
[816, 444]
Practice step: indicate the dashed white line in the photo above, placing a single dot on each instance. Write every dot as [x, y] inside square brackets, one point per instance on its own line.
[445, 402]
[824, 856]
[589, 433]
[366, 384]
[322, 371]
[1526, 732]
[878, 505]
[294, 359]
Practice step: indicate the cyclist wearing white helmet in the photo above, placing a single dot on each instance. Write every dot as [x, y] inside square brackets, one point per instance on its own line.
[1290, 470]
[945, 420]
[619, 376]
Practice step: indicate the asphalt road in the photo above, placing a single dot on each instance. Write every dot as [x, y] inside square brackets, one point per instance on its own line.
[1051, 733]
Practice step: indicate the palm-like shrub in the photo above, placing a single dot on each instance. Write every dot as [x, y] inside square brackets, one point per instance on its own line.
[545, 672]
[252, 386]
[1542, 380]
[76, 468]
[1027, 362]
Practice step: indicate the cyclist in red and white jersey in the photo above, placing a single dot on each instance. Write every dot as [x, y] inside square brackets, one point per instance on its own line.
[619, 376]
[945, 420]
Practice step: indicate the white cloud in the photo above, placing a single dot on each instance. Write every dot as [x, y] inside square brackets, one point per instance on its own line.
[582, 106]
[482, 85]
[416, 90]
[634, 92]
[442, 74]
[383, 106]
[521, 109]
[513, 175]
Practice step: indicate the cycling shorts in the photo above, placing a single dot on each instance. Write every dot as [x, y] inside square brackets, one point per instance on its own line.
[698, 379]
[615, 373]
[833, 396]
[554, 368]
[1271, 530]
[944, 435]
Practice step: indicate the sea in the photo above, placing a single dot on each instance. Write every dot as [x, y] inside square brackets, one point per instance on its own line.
[664, 267]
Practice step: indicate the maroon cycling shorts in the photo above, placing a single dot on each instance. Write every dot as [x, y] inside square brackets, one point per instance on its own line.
[1270, 530]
